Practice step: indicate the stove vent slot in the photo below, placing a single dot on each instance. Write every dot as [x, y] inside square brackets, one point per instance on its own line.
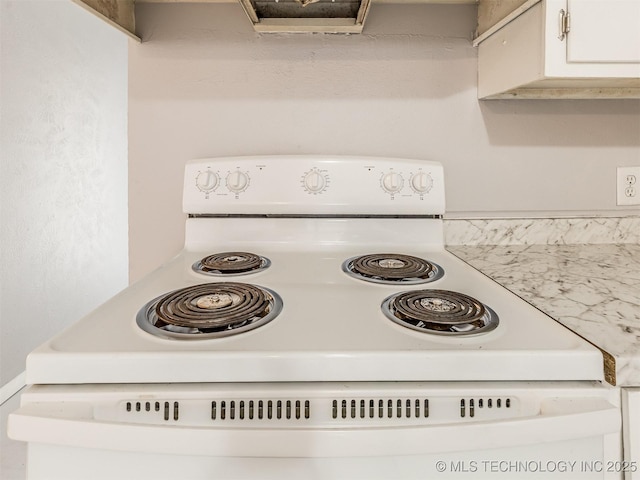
[168, 410]
[260, 409]
[380, 408]
[469, 407]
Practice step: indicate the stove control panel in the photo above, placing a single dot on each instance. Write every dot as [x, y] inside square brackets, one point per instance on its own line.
[313, 185]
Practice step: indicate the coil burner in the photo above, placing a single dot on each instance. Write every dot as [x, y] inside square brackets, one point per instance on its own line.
[231, 263]
[392, 268]
[441, 312]
[210, 310]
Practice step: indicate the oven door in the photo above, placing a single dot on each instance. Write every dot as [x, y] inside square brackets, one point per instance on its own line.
[338, 432]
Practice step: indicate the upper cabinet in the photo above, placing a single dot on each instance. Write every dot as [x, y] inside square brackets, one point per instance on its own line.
[559, 49]
[603, 31]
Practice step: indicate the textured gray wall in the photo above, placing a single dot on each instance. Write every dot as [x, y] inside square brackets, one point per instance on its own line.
[63, 180]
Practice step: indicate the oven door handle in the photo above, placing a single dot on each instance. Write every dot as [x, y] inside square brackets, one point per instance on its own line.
[561, 420]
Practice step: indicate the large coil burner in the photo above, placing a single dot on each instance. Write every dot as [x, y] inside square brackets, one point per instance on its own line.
[441, 312]
[209, 310]
[392, 268]
[231, 263]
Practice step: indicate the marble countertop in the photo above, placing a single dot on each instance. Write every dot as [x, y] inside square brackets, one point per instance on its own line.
[593, 289]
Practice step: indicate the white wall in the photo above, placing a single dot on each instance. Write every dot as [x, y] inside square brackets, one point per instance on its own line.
[63, 175]
[204, 84]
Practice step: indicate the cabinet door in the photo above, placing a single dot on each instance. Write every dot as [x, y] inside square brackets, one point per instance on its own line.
[604, 31]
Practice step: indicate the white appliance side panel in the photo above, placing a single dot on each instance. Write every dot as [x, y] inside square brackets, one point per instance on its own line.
[604, 31]
[631, 431]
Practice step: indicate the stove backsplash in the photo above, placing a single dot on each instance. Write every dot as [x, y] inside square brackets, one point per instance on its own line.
[545, 231]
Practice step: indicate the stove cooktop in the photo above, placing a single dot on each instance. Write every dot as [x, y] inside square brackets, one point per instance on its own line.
[214, 310]
[330, 327]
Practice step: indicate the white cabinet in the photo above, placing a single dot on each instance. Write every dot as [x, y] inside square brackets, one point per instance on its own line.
[603, 31]
[563, 48]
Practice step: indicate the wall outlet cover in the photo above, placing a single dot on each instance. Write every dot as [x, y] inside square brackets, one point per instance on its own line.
[628, 186]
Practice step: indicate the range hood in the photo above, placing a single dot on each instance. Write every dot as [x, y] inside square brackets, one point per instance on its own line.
[328, 16]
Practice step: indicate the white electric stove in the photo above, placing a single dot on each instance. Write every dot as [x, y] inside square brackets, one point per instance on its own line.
[315, 326]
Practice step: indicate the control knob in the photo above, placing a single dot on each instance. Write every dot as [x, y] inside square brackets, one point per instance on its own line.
[315, 181]
[421, 182]
[207, 181]
[392, 182]
[237, 181]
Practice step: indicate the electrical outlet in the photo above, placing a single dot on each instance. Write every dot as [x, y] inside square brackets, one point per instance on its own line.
[628, 185]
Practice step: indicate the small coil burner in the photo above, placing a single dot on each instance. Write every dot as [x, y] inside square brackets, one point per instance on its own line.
[392, 268]
[210, 310]
[441, 312]
[231, 263]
